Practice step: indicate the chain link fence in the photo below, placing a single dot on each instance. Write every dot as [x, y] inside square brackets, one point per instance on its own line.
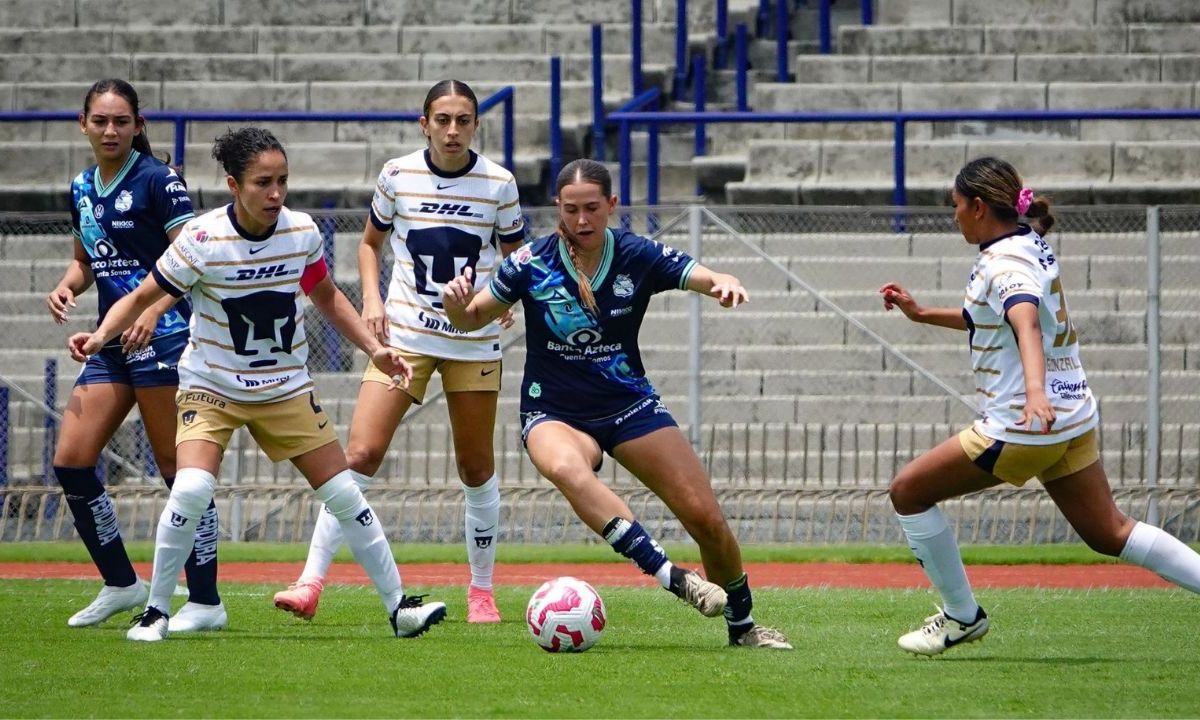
[802, 404]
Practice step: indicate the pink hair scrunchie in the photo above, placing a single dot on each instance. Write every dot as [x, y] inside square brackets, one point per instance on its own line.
[1024, 200]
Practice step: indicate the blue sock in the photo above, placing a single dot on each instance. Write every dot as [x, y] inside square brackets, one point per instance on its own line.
[738, 605]
[632, 541]
[96, 523]
[201, 566]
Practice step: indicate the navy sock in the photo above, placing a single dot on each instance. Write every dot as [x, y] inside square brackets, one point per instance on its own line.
[632, 541]
[96, 523]
[201, 566]
[738, 605]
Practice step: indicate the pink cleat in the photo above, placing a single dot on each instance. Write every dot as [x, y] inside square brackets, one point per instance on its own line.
[481, 606]
[301, 597]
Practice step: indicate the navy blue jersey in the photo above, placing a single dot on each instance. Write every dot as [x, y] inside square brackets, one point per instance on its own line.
[579, 364]
[123, 228]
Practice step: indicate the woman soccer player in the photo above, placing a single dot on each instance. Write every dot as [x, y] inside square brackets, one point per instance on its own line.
[125, 210]
[1038, 416]
[585, 290]
[247, 267]
[444, 208]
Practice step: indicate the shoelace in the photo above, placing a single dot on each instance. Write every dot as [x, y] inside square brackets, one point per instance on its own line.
[412, 601]
[934, 623]
[147, 617]
[767, 633]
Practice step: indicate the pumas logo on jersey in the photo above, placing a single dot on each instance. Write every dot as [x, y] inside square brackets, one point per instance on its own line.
[455, 209]
[622, 286]
[124, 201]
[189, 416]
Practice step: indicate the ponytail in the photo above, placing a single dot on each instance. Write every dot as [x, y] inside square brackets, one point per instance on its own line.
[585, 285]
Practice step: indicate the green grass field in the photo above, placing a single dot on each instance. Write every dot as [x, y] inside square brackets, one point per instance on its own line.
[1051, 653]
[1114, 653]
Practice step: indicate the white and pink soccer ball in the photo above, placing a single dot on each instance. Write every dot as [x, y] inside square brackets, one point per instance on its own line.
[565, 615]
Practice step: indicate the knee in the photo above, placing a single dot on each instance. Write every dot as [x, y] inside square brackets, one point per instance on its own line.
[1110, 539]
[475, 470]
[904, 492]
[364, 459]
[192, 492]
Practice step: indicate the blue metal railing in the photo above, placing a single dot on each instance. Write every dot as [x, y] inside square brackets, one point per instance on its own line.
[627, 118]
[556, 151]
[625, 146]
[181, 118]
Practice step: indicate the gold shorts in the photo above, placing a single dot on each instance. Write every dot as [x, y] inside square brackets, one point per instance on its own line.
[283, 429]
[457, 375]
[1015, 464]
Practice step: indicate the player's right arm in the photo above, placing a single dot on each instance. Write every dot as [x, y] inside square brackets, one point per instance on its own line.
[120, 316]
[895, 296]
[75, 281]
[370, 250]
[466, 309]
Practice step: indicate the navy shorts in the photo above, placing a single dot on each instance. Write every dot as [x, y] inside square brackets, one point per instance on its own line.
[155, 365]
[642, 418]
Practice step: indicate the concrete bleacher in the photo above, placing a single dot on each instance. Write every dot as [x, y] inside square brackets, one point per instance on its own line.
[968, 55]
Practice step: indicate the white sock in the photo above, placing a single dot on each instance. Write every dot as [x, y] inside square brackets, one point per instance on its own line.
[364, 535]
[190, 496]
[482, 506]
[932, 541]
[327, 538]
[1160, 551]
[663, 575]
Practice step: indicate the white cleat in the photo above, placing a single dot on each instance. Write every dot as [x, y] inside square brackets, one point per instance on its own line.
[412, 616]
[194, 617]
[151, 626]
[707, 597]
[942, 632]
[111, 601]
[762, 637]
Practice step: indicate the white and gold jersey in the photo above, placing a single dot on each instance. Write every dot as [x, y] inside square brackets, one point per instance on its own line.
[247, 328]
[441, 223]
[1012, 269]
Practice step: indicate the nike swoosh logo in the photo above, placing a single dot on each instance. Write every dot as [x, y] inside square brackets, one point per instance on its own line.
[485, 373]
[255, 250]
[322, 425]
[446, 187]
[484, 529]
[950, 642]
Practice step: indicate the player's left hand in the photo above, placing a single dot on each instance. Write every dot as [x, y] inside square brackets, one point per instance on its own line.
[83, 345]
[390, 361]
[507, 320]
[728, 291]
[1038, 407]
[140, 332]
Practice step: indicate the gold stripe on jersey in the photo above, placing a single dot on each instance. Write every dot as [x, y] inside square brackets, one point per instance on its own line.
[255, 260]
[440, 196]
[277, 233]
[439, 221]
[979, 326]
[1063, 429]
[182, 258]
[405, 303]
[255, 371]
[213, 320]
[448, 336]
[478, 270]
[506, 206]
[481, 176]
[174, 280]
[987, 370]
[224, 394]
[976, 301]
[981, 391]
[990, 348]
[1024, 261]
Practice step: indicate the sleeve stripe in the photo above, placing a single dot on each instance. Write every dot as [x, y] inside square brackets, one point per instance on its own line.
[687, 274]
[496, 294]
[178, 221]
[180, 255]
[514, 237]
[1020, 298]
[506, 206]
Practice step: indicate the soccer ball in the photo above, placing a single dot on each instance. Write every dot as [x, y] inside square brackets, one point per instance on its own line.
[565, 615]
